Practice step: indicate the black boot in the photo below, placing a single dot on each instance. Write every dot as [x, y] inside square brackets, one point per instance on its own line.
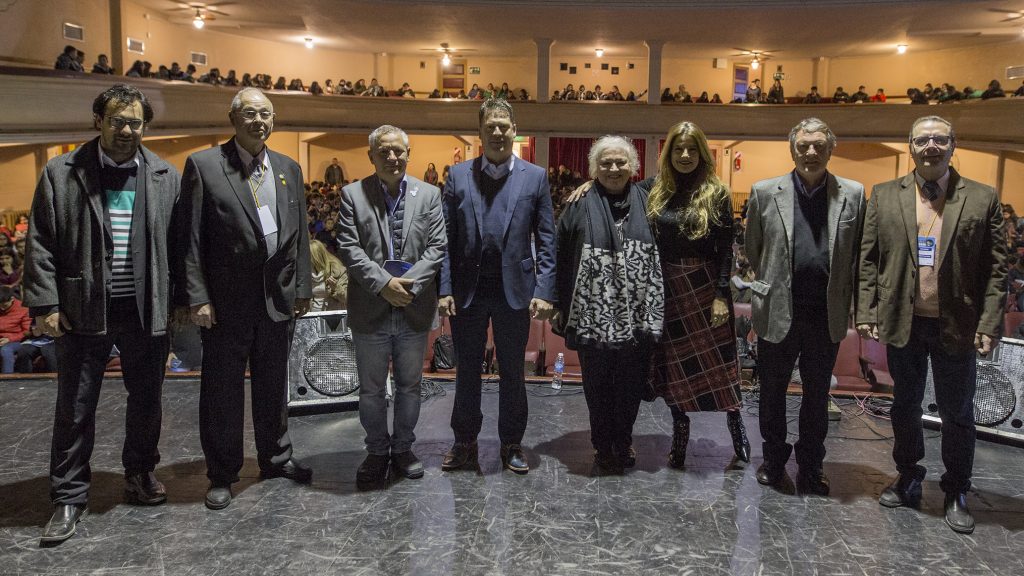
[734, 420]
[680, 438]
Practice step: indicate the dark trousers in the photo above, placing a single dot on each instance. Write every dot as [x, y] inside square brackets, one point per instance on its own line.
[613, 383]
[469, 333]
[25, 357]
[81, 361]
[227, 347]
[808, 339]
[955, 377]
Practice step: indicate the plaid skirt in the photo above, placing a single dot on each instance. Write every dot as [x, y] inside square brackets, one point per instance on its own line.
[694, 367]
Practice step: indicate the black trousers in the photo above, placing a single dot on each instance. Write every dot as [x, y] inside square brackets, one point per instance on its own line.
[469, 333]
[808, 339]
[233, 342]
[25, 357]
[81, 361]
[955, 378]
[613, 382]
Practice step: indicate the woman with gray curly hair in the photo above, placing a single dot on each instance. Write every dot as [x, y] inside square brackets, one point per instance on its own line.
[610, 297]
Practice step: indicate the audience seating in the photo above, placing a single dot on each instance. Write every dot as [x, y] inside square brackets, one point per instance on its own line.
[553, 344]
[850, 367]
[877, 365]
[1011, 321]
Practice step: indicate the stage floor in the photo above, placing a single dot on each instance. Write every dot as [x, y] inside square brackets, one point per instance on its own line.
[712, 518]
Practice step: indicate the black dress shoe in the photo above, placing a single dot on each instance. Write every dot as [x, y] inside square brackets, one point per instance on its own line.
[462, 455]
[373, 472]
[628, 457]
[62, 524]
[218, 496]
[512, 457]
[608, 463]
[738, 431]
[407, 464]
[144, 489]
[776, 477]
[958, 517]
[813, 482]
[904, 491]
[292, 470]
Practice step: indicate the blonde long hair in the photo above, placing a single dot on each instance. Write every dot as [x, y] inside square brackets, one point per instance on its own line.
[327, 264]
[702, 211]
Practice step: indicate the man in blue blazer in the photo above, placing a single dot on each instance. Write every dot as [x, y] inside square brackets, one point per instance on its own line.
[500, 268]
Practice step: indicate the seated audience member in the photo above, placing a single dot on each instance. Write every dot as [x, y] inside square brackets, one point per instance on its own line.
[929, 91]
[598, 93]
[21, 229]
[359, 87]
[813, 97]
[505, 92]
[374, 89]
[879, 96]
[406, 91]
[916, 96]
[1015, 280]
[68, 60]
[1019, 92]
[569, 93]
[147, 69]
[716, 99]
[10, 269]
[994, 91]
[328, 235]
[754, 92]
[230, 80]
[948, 93]
[490, 91]
[315, 89]
[703, 98]
[682, 95]
[190, 73]
[523, 94]
[971, 94]
[776, 95]
[247, 80]
[614, 95]
[135, 71]
[840, 96]
[860, 96]
[102, 65]
[666, 95]
[328, 86]
[280, 84]
[330, 279]
[176, 73]
[435, 94]
[33, 347]
[14, 324]
[741, 280]
[581, 92]
[212, 77]
[163, 73]
[474, 92]
[462, 95]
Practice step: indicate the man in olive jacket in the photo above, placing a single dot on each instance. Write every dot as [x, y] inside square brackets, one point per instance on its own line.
[932, 284]
[97, 274]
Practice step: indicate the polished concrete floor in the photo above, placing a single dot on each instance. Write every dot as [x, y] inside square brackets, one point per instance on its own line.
[712, 518]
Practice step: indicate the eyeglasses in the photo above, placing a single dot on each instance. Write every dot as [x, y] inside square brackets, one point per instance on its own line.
[252, 114]
[939, 139]
[118, 123]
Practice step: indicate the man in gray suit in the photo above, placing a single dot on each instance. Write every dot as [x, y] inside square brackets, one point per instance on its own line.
[802, 240]
[97, 273]
[392, 239]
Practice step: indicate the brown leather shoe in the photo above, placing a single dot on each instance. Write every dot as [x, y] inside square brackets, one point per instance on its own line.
[462, 455]
[512, 457]
[145, 489]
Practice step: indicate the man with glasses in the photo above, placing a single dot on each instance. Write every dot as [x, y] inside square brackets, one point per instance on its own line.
[97, 274]
[932, 285]
[248, 275]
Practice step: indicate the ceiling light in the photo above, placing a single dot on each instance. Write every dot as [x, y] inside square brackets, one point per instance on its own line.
[446, 59]
[309, 43]
[901, 48]
[599, 52]
[755, 63]
[198, 21]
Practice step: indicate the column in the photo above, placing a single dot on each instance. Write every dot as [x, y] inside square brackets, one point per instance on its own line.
[651, 156]
[540, 151]
[543, 74]
[118, 40]
[654, 70]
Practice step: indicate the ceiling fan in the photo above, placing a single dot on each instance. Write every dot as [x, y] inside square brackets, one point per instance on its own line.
[203, 12]
[757, 56]
[1011, 15]
[446, 52]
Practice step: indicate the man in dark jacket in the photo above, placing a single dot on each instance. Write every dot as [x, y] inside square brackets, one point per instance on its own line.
[97, 274]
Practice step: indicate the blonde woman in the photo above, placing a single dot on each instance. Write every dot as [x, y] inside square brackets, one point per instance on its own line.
[330, 279]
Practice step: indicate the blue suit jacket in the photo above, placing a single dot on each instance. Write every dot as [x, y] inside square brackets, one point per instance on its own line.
[526, 273]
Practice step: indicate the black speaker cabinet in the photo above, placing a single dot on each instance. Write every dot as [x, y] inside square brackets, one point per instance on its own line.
[322, 364]
[999, 398]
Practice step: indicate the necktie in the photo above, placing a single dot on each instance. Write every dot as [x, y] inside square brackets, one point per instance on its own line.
[931, 191]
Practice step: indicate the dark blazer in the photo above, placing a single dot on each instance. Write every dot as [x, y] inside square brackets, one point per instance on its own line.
[769, 248]
[227, 263]
[69, 248]
[363, 234]
[529, 222]
[972, 262]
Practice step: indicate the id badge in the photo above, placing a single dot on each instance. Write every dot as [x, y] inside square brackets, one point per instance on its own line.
[926, 251]
[267, 221]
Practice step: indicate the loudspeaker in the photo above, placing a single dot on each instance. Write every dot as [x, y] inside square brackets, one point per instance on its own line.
[322, 363]
[999, 397]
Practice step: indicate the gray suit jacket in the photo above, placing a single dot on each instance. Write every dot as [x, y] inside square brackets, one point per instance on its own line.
[69, 247]
[363, 232]
[769, 247]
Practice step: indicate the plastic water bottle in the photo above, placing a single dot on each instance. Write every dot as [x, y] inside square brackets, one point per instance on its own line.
[556, 378]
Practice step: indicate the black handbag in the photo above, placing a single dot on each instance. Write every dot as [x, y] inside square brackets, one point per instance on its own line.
[444, 352]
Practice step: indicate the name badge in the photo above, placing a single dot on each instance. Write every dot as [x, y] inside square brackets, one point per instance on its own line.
[267, 221]
[926, 250]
